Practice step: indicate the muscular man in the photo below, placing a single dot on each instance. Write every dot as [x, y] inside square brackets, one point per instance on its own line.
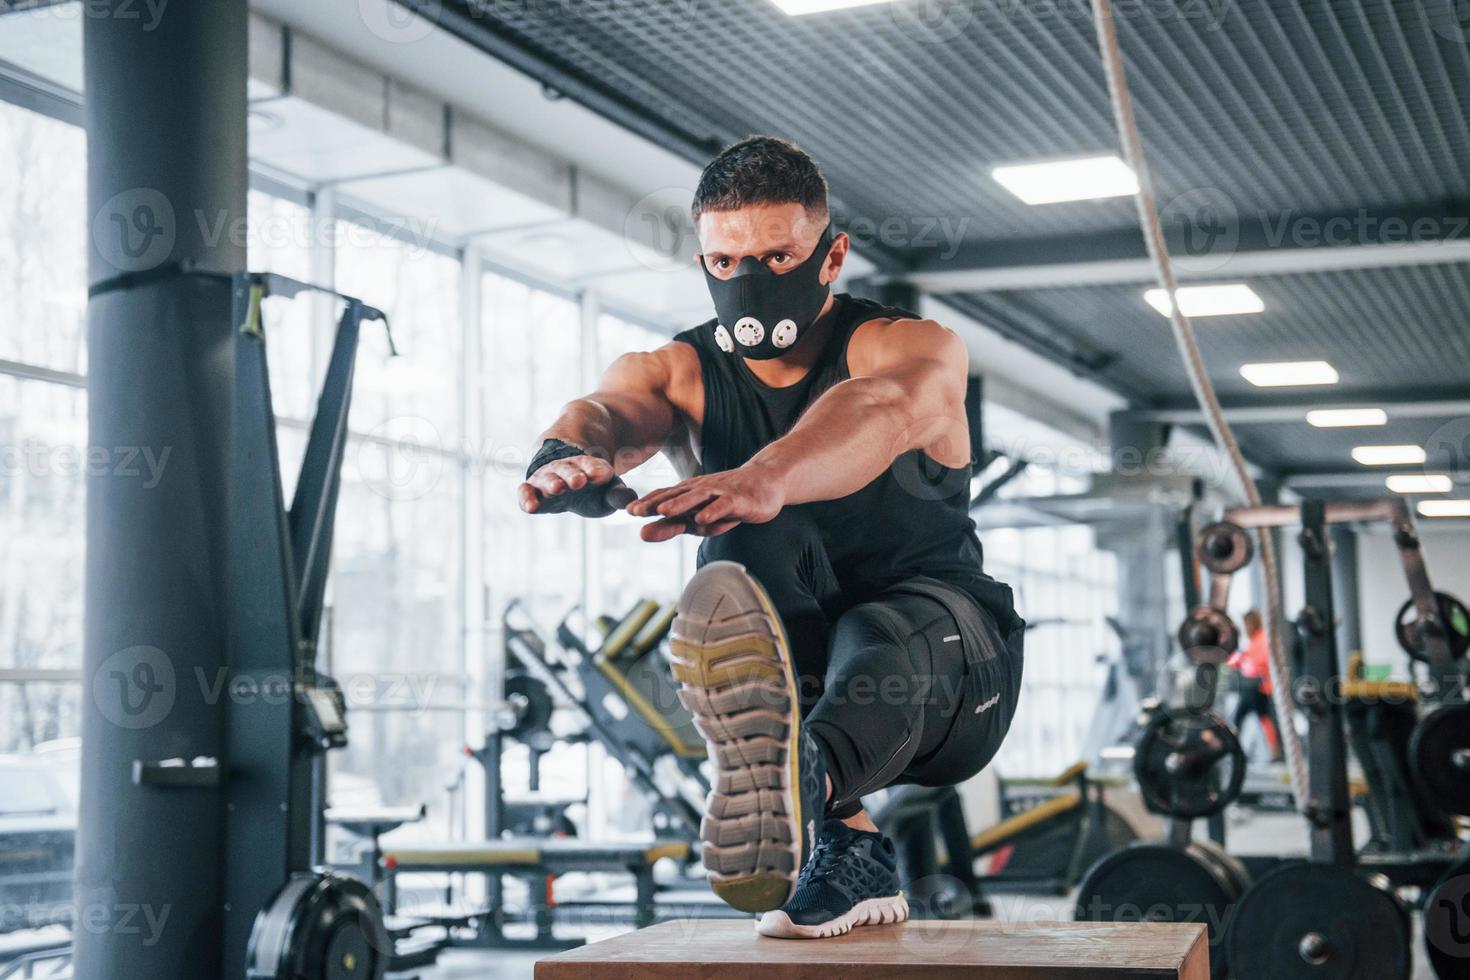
[839, 636]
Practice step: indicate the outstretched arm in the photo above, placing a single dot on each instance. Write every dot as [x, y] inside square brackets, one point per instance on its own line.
[907, 392]
[623, 423]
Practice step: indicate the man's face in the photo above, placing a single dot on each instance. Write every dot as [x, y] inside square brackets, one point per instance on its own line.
[781, 236]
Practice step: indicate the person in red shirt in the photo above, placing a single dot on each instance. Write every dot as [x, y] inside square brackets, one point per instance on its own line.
[1253, 663]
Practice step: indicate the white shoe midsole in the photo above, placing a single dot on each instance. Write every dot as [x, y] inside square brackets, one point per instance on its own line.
[869, 912]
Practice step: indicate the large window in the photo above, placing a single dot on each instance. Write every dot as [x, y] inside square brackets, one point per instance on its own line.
[396, 639]
[1065, 587]
[531, 366]
[43, 201]
[42, 426]
[628, 569]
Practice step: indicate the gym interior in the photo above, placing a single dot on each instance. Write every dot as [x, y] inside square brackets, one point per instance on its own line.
[292, 686]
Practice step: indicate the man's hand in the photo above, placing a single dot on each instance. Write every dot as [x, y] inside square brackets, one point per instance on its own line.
[563, 477]
[712, 504]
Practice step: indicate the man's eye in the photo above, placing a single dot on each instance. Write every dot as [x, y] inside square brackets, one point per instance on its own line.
[779, 258]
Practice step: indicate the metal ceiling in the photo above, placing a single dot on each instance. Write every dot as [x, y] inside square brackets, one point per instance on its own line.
[1304, 110]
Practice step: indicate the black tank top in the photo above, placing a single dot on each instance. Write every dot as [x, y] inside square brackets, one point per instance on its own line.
[912, 520]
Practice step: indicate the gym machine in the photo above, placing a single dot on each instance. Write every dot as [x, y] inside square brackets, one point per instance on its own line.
[533, 838]
[627, 695]
[1050, 831]
[1337, 913]
[285, 917]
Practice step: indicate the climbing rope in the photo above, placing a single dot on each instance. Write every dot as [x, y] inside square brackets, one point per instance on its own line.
[1204, 391]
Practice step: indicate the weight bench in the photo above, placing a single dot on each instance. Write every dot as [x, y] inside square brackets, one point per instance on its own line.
[715, 950]
[533, 858]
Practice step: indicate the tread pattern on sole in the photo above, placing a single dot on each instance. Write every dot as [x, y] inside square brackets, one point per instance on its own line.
[735, 681]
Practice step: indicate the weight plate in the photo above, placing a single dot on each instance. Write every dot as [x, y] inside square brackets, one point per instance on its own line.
[1447, 924]
[1159, 883]
[319, 926]
[1224, 547]
[1187, 764]
[1439, 752]
[1453, 616]
[532, 704]
[1321, 922]
[1233, 868]
[1208, 635]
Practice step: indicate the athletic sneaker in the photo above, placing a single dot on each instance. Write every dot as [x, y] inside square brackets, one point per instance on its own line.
[851, 880]
[733, 662]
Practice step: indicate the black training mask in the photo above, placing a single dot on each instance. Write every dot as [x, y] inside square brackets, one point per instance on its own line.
[762, 314]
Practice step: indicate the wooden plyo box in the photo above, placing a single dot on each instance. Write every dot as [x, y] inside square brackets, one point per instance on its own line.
[717, 949]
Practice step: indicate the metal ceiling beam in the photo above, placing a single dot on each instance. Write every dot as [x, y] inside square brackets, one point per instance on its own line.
[470, 22]
[1206, 247]
[475, 22]
[1355, 478]
[1398, 403]
[1045, 337]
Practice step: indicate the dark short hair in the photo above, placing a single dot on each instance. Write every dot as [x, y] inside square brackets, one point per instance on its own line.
[1252, 621]
[760, 170]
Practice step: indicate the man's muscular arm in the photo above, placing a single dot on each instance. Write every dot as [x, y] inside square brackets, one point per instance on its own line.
[907, 392]
[623, 423]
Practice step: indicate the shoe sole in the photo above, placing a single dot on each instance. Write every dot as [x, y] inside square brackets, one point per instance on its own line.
[732, 660]
[871, 912]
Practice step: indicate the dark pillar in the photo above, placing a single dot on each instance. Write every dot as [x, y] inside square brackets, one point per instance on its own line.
[165, 113]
